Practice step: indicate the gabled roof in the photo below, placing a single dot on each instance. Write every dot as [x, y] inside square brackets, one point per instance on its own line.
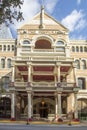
[49, 23]
[5, 32]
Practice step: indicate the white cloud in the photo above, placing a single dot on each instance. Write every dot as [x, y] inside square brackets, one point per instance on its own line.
[50, 5]
[75, 20]
[78, 2]
[31, 7]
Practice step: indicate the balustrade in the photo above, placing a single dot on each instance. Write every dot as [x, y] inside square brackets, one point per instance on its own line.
[45, 84]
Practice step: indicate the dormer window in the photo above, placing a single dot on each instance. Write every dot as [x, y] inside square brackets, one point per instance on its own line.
[26, 42]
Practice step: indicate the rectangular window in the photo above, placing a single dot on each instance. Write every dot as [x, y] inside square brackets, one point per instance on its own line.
[81, 83]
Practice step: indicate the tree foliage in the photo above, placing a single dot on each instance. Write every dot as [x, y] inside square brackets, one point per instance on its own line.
[10, 10]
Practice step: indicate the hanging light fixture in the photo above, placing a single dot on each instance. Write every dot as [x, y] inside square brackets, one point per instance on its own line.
[43, 102]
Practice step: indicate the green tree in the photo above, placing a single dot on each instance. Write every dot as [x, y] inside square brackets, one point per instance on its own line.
[10, 10]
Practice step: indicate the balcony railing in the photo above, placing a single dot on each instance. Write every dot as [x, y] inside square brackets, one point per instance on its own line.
[41, 58]
[65, 84]
[20, 84]
[43, 50]
[45, 84]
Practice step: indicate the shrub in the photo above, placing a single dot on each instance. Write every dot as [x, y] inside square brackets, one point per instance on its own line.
[76, 120]
[60, 120]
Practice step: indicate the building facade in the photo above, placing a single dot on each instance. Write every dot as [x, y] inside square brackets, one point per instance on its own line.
[46, 75]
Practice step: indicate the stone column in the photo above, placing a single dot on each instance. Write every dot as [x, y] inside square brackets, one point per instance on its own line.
[74, 73]
[13, 74]
[12, 106]
[32, 106]
[29, 73]
[59, 105]
[29, 105]
[56, 106]
[59, 74]
[75, 106]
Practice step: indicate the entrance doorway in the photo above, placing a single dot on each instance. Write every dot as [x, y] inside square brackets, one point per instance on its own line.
[43, 110]
[5, 107]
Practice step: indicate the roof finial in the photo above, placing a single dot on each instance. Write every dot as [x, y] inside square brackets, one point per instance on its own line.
[42, 15]
[42, 5]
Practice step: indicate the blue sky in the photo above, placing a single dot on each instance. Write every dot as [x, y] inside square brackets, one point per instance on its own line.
[71, 13]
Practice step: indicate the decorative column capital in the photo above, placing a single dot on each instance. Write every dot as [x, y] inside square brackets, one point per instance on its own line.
[74, 65]
[58, 63]
[76, 89]
[29, 63]
[29, 89]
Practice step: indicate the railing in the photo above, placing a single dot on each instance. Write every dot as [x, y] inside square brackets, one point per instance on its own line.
[45, 84]
[65, 84]
[20, 84]
[42, 84]
[41, 58]
[43, 50]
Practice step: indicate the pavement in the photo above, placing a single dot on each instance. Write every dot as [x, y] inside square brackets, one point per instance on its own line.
[9, 122]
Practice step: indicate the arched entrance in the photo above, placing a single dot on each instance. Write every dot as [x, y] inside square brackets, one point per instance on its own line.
[5, 107]
[43, 110]
[43, 107]
[82, 108]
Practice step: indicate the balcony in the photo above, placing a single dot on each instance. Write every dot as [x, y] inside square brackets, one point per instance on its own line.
[46, 86]
[43, 58]
[43, 50]
[20, 84]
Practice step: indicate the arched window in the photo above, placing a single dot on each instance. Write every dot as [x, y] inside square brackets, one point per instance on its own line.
[8, 47]
[60, 43]
[83, 64]
[42, 44]
[2, 63]
[81, 83]
[77, 64]
[12, 47]
[73, 49]
[9, 63]
[4, 47]
[81, 49]
[77, 49]
[5, 82]
[26, 42]
[85, 49]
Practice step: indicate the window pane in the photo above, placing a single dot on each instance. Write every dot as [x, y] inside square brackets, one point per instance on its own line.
[8, 47]
[83, 64]
[77, 64]
[85, 49]
[73, 49]
[26, 42]
[4, 48]
[60, 43]
[81, 83]
[81, 49]
[3, 63]
[77, 49]
[12, 47]
[9, 63]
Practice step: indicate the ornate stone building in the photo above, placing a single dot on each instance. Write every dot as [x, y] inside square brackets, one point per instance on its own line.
[46, 71]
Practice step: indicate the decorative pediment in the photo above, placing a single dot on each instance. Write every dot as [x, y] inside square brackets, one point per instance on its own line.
[49, 23]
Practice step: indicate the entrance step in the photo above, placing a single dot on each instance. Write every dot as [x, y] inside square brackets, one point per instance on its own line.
[23, 116]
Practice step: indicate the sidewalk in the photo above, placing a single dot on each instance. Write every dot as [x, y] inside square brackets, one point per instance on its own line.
[2, 121]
